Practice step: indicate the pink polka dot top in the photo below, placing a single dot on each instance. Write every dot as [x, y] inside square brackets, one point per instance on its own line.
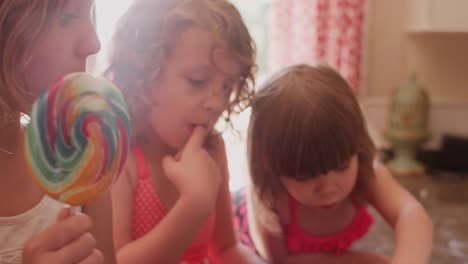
[148, 211]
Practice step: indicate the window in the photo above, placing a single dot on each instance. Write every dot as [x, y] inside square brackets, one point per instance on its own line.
[256, 15]
[107, 15]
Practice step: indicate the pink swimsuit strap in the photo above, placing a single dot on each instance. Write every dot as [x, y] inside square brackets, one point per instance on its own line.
[148, 211]
[299, 241]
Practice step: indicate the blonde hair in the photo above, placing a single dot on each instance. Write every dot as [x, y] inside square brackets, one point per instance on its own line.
[22, 22]
[148, 31]
[305, 121]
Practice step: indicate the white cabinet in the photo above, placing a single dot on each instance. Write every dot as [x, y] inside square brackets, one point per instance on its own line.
[437, 16]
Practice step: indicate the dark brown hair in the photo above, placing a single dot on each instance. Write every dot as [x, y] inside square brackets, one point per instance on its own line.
[22, 23]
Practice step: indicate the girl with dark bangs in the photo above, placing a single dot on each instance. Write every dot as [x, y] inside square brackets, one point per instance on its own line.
[313, 172]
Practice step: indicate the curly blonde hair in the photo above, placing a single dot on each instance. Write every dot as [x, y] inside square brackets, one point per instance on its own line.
[149, 29]
[22, 22]
[305, 121]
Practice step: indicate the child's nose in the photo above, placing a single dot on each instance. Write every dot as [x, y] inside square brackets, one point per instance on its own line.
[215, 101]
[89, 43]
[323, 186]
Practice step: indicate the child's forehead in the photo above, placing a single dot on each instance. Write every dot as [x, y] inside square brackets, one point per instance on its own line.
[226, 61]
[197, 46]
[79, 6]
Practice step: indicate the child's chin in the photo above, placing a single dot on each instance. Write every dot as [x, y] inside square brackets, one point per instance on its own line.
[328, 206]
[177, 144]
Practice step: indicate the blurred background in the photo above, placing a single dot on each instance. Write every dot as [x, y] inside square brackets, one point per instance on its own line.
[376, 46]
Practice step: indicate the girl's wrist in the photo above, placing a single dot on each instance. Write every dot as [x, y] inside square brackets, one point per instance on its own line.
[200, 206]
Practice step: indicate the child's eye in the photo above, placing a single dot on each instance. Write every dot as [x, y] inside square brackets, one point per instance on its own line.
[67, 18]
[227, 87]
[305, 177]
[196, 82]
[343, 167]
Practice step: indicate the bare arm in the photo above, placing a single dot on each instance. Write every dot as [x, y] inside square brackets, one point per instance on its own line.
[100, 211]
[347, 257]
[224, 246]
[413, 226]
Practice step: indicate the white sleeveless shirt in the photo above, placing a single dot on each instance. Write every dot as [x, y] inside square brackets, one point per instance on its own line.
[17, 230]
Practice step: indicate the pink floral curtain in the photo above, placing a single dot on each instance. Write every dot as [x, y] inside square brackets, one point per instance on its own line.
[313, 31]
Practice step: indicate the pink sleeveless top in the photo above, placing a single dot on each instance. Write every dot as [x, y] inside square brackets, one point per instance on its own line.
[299, 241]
[148, 211]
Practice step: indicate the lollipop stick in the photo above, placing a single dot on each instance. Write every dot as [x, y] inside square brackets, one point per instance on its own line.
[75, 210]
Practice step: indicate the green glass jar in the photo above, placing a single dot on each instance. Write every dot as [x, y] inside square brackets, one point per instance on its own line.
[408, 127]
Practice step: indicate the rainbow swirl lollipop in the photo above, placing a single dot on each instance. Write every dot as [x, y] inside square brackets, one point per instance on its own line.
[78, 138]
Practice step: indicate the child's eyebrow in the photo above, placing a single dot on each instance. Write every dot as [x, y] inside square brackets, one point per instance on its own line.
[200, 68]
[233, 77]
[206, 68]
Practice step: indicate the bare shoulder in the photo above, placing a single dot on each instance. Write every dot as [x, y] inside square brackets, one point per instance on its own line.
[277, 217]
[381, 175]
[128, 175]
[384, 190]
[266, 229]
[380, 170]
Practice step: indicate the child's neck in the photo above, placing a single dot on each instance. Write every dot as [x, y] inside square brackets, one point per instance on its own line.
[325, 222]
[15, 180]
[10, 134]
[155, 150]
[11, 147]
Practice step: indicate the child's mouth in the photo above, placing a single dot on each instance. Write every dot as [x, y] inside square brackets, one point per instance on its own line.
[328, 206]
[205, 126]
[192, 127]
